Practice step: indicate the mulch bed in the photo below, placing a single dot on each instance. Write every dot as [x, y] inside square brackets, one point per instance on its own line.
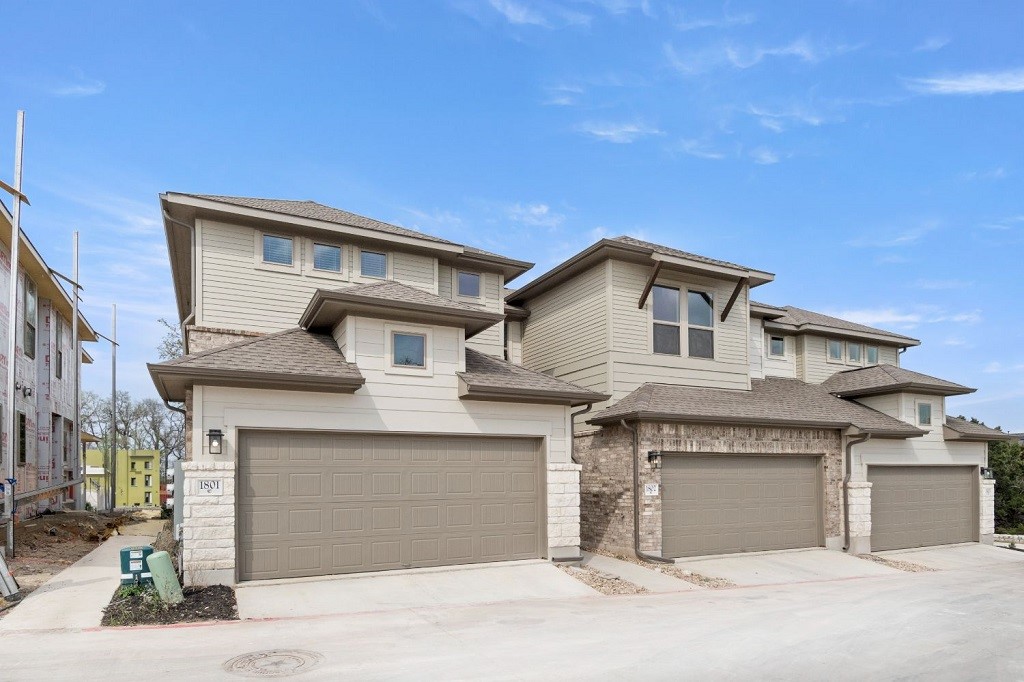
[140, 605]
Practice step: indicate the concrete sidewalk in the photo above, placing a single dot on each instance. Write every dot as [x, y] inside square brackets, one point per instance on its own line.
[950, 557]
[412, 588]
[75, 597]
[648, 578]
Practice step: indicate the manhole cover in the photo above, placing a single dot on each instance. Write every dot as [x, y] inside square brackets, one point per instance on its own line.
[273, 663]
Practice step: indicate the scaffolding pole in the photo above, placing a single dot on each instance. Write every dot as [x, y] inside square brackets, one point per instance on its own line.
[12, 326]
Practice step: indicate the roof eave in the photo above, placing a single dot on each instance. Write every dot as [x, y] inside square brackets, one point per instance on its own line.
[468, 391]
[185, 377]
[950, 433]
[905, 387]
[647, 416]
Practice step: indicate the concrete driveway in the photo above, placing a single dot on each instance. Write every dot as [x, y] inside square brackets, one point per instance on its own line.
[417, 588]
[951, 557]
[780, 568]
[944, 625]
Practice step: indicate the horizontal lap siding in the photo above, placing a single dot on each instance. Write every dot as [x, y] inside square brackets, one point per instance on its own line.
[812, 359]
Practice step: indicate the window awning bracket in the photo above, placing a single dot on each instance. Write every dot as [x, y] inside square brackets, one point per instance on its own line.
[744, 281]
[650, 284]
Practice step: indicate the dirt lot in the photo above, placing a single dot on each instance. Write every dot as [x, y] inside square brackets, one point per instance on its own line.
[47, 544]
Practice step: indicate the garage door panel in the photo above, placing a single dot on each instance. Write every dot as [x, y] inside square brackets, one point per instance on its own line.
[718, 504]
[441, 501]
[918, 506]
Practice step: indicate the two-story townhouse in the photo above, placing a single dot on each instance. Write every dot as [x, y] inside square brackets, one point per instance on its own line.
[736, 426]
[47, 466]
[348, 404]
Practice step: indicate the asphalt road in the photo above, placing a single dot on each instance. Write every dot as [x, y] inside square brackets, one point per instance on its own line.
[947, 625]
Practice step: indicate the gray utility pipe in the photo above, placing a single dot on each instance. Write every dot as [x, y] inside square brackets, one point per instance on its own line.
[636, 500]
[846, 487]
[572, 430]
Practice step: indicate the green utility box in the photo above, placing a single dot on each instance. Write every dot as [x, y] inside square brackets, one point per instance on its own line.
[133, 566]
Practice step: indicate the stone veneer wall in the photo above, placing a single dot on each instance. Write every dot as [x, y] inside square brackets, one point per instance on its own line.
[564, 510]
[208, 525]
[860, 517]
[606, 500]
[987, 504]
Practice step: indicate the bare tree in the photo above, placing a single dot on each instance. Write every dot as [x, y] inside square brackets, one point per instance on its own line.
[171, 345]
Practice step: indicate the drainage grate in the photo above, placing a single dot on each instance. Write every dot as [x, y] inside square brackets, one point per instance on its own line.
[273, 663]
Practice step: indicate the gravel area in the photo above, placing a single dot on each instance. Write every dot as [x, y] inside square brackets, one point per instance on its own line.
[603, 582]
[689, 576]
[907, 566]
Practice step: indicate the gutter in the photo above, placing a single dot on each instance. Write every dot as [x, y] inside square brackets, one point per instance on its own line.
[572, 431]
[192, 277]
[846, 487]
[640, 554]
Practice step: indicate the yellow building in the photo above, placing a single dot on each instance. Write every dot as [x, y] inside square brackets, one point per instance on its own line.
[138, 478]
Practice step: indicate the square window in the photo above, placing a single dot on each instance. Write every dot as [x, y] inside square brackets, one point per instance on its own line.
[666, 339]
[408, 350]
[699, 308]
[373, 264]
[835, 350]
[469, 284]
[277, 250]
[702, 343]
[924, 414]
[853, 352]
[327, 257]
[148, 464]
[666, 304]
[777, 346]
[872, 355]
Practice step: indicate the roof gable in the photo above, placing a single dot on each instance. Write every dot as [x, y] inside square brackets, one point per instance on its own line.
[882, 379]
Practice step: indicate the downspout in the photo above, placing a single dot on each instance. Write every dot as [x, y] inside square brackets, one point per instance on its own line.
[846, 487]
[173, 408]
[640, 554]
[192, 283]
[572, 431]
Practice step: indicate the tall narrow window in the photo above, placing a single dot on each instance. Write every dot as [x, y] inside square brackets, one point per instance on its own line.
[924, 414]
[872, 355]
[835, 350]
[327, 257]
[700, 321]
[277, 250]
[665, 310]
[135, 482]
[58, 356]
[29, 338]
[147, 480]
[373, 264]
[853, 352]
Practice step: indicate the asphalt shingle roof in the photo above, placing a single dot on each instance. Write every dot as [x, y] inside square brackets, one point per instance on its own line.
[972, 430]
[798, 317]
[391, 291]
[293, 352]
[484, 372]
[770, 401]
[669, 251]
[888, 378]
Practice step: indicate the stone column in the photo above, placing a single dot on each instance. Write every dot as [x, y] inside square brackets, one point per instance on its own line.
[987, 508]
[564, 510]
[208, 523]
[860, 517]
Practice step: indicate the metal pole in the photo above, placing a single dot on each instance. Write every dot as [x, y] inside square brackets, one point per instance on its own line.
[12, 335]
[113, 406]
[76, 429]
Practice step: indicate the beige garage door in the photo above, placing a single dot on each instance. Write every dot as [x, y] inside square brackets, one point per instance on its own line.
[720, 504]
[918, 506]
[320, 504]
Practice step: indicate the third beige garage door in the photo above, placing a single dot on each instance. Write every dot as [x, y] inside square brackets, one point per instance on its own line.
[918, 506]
[318, 504]
[720, 504]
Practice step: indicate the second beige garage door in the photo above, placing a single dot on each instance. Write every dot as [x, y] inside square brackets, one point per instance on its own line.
[319, 504]
[721, 504]
[918, 506]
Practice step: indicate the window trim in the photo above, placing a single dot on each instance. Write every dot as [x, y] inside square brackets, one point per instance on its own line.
[690, 325]
[314, 271]
[428, 349]
[841, 360]
[388, 265]
[678, 324]
[296, 264]
[771, 337]
[918, 404]
[867, 352]
[29, 350]
[458, 293]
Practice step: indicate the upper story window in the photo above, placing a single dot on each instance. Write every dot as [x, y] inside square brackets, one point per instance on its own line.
[373, 264]
[665, 309]
[408, 350]
[134, 481]
[924, 414]
[872, 354]
[854, 352]
[278, 250]
[31, 308]
[776, 346]
[835, 350]
[147, 480]
[58, 357]
[148, 464]
[700, 318]
[469, 284]
[326, 257]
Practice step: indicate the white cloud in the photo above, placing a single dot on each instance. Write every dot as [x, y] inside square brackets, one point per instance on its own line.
[700, 149]
[81, 88]
[563, 95]
[534, 215]
[874, 317]
[905, 238]
[745, 57]
[1000, 368]
[890, 259]
[932, 44]
[978, 83]
[1004, 224]
[955, 342]
[435, 221]
[764, 156]
[618, 7]
[941, 284]
[993, 174]
[683, 23]
[619, 133]
[779, 119]
[519, 14]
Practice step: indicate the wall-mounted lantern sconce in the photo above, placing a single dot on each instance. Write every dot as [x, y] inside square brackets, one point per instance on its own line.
[987, 473]
[216, 440]
[654, 457]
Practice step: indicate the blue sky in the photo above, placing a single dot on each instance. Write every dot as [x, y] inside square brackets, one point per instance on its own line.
[868, 153]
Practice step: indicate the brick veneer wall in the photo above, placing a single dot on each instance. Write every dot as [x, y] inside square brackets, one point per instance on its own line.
[606, 497]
